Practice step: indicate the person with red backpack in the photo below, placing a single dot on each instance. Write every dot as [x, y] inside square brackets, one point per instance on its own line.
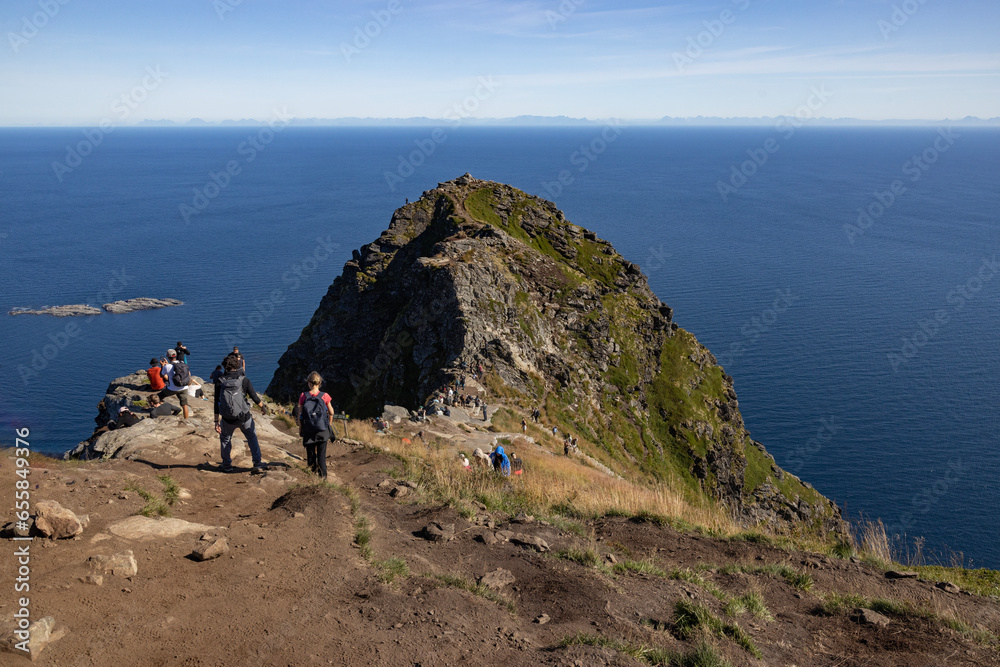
[315, 419]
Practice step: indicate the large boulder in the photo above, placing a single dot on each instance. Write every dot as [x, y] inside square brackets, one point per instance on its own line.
[147, 528]
[55, 521]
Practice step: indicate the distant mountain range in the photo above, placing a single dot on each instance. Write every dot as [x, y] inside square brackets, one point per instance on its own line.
[550, 121]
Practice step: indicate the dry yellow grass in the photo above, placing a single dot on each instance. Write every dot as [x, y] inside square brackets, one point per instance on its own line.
[873, 541]
[550, 485]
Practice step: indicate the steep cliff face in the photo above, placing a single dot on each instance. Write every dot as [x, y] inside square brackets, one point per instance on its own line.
[482, 273]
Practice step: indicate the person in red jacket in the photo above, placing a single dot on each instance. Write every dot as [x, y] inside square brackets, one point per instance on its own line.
[156, 382]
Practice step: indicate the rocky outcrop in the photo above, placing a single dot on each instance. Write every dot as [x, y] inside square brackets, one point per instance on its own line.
[142, 303]
[193, 440]
[78, 310]
[477, 273]
[115, 307]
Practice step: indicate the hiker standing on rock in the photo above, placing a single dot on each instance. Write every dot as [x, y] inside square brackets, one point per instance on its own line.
[232, 411]
[524, 426]
[315, 420]
[243, 362]
[485, 413]
[178, 376]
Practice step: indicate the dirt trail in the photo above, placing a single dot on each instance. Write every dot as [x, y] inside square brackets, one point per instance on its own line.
[295, 588]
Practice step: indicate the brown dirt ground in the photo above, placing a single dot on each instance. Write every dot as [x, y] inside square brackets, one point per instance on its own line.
[294, 590]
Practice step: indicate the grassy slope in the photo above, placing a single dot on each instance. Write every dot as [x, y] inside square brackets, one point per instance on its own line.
[626, 438]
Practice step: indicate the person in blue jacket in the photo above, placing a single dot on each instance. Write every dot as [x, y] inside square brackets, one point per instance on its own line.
[501, 463]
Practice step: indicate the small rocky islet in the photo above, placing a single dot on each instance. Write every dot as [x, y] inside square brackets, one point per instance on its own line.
[115, 307]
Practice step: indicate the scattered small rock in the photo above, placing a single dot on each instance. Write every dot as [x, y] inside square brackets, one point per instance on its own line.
[399, 491]
[120, 564]
[611, 558]
[209, 550]
[948, 587]
[436, 532]
[536, 543]
[40, 635]
[93, 580]
[497, 579]
[869, 617]
[523, 518]
[488, 538]
[543, 619]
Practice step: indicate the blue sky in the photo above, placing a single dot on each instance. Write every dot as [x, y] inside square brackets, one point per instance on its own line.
[71, 61]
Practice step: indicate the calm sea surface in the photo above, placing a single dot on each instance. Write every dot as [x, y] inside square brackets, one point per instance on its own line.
[865, 358]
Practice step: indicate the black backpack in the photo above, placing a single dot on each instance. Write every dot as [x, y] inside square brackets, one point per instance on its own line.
[233, 405]
[182, 374]
[315, 418]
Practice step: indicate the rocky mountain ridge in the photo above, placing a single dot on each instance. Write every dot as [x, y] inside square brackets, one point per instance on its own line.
[480, 273]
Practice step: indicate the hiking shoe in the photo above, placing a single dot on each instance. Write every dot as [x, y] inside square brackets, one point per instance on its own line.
[225, 468]
[258, 469]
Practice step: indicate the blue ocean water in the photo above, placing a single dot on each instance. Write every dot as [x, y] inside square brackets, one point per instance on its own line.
[805, 313]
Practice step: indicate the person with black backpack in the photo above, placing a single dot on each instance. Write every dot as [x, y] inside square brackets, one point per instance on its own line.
[315, 419]
[178, 377]
[232, 411]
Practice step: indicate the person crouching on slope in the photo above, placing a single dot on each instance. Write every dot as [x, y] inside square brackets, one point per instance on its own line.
[232, 411]
[315, 420]
[501, 463]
